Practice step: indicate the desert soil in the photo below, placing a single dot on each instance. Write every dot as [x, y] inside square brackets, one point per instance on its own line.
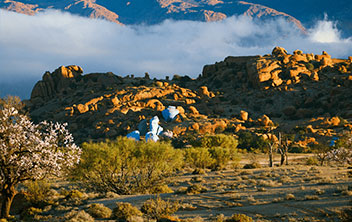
[296, 192]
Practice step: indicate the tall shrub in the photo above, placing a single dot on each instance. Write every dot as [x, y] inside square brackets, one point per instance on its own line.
[125, 166]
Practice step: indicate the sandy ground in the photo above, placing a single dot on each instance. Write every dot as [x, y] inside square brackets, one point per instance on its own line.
[287, 193]
[296, 192]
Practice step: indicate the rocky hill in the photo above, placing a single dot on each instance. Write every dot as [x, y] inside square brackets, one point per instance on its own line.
[150, 12]
[305, 94]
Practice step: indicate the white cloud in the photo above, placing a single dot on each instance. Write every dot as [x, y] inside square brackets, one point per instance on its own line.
[31, 45]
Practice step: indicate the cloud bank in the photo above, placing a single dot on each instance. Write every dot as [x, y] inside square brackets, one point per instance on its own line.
[31, 45]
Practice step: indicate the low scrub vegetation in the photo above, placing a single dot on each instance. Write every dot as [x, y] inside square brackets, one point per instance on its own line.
[158, 208]
[125, 212]
[125, 166]
[212, 151]
[99, 211]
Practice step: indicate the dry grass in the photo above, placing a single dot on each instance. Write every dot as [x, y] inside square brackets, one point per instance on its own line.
[226, 192]
[311, 197]
[290, 196]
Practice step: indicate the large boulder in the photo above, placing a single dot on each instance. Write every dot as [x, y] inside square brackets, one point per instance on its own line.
[53, 83]
[170, 113]
[279, 51]
[134, 135]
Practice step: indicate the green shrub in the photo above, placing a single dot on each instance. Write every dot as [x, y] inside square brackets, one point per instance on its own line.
[196, 189]
[74, 194]
[30, 213]
[158, 208]
[124, 211]
[222, 155]
[99, 211]
[252, 165]
[239, 218]
[161, 189]
[312, 161]
[310, 66]
[78, 216]
[221, 147]
[248, 141]
[219, 140]
[198, 157]
[37, 192]
[125, 166]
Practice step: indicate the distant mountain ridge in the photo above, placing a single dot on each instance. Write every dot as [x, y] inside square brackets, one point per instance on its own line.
[150, 11]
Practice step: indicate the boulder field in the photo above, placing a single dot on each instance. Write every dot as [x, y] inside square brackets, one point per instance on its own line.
[304, 94]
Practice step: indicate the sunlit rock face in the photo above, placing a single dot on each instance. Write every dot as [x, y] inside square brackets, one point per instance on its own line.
[278, 91]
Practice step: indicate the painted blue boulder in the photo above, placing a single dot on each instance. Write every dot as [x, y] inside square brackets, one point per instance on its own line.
[154, 126]
[170, 113]
[134, 135]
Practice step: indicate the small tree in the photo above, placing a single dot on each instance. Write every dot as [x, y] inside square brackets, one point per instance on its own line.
[284, 143]
[272, 145]
[30, 151]
[125, 166]
[322, 152]
[343, 149]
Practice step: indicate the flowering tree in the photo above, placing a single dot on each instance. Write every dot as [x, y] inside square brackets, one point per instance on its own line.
[30, 151]
[342, 150]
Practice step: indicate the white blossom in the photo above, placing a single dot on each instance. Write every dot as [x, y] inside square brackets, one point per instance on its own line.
[32, 151]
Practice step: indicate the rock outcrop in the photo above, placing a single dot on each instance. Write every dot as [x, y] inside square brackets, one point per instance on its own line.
[282, 91]
[58, 81]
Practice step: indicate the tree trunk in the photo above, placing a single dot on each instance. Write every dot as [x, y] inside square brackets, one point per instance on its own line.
[8, 193]
[282, 159]
[270, 157]
[286, 156]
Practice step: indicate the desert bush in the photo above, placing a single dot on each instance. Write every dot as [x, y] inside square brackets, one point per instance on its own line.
[322, 153]
[99, 211]
[249, 141]
[161, 189]
[222, 155]
[290, 196]
[219, 140]
[239, 218]
[30, 213]
[110, 194]
[199, 171]
[268, 183]
[310, 66]
[198, 157]
[78, 216]
[181, 190]
[124, 211]
[158, 208]
[75, 194]
[125, 166]
[311, 197]
[215, 151]
[319, 191]
[252, 165]
[312, 161]
[195, 219]
[37, 192]
[196, 189]
[222, 148]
